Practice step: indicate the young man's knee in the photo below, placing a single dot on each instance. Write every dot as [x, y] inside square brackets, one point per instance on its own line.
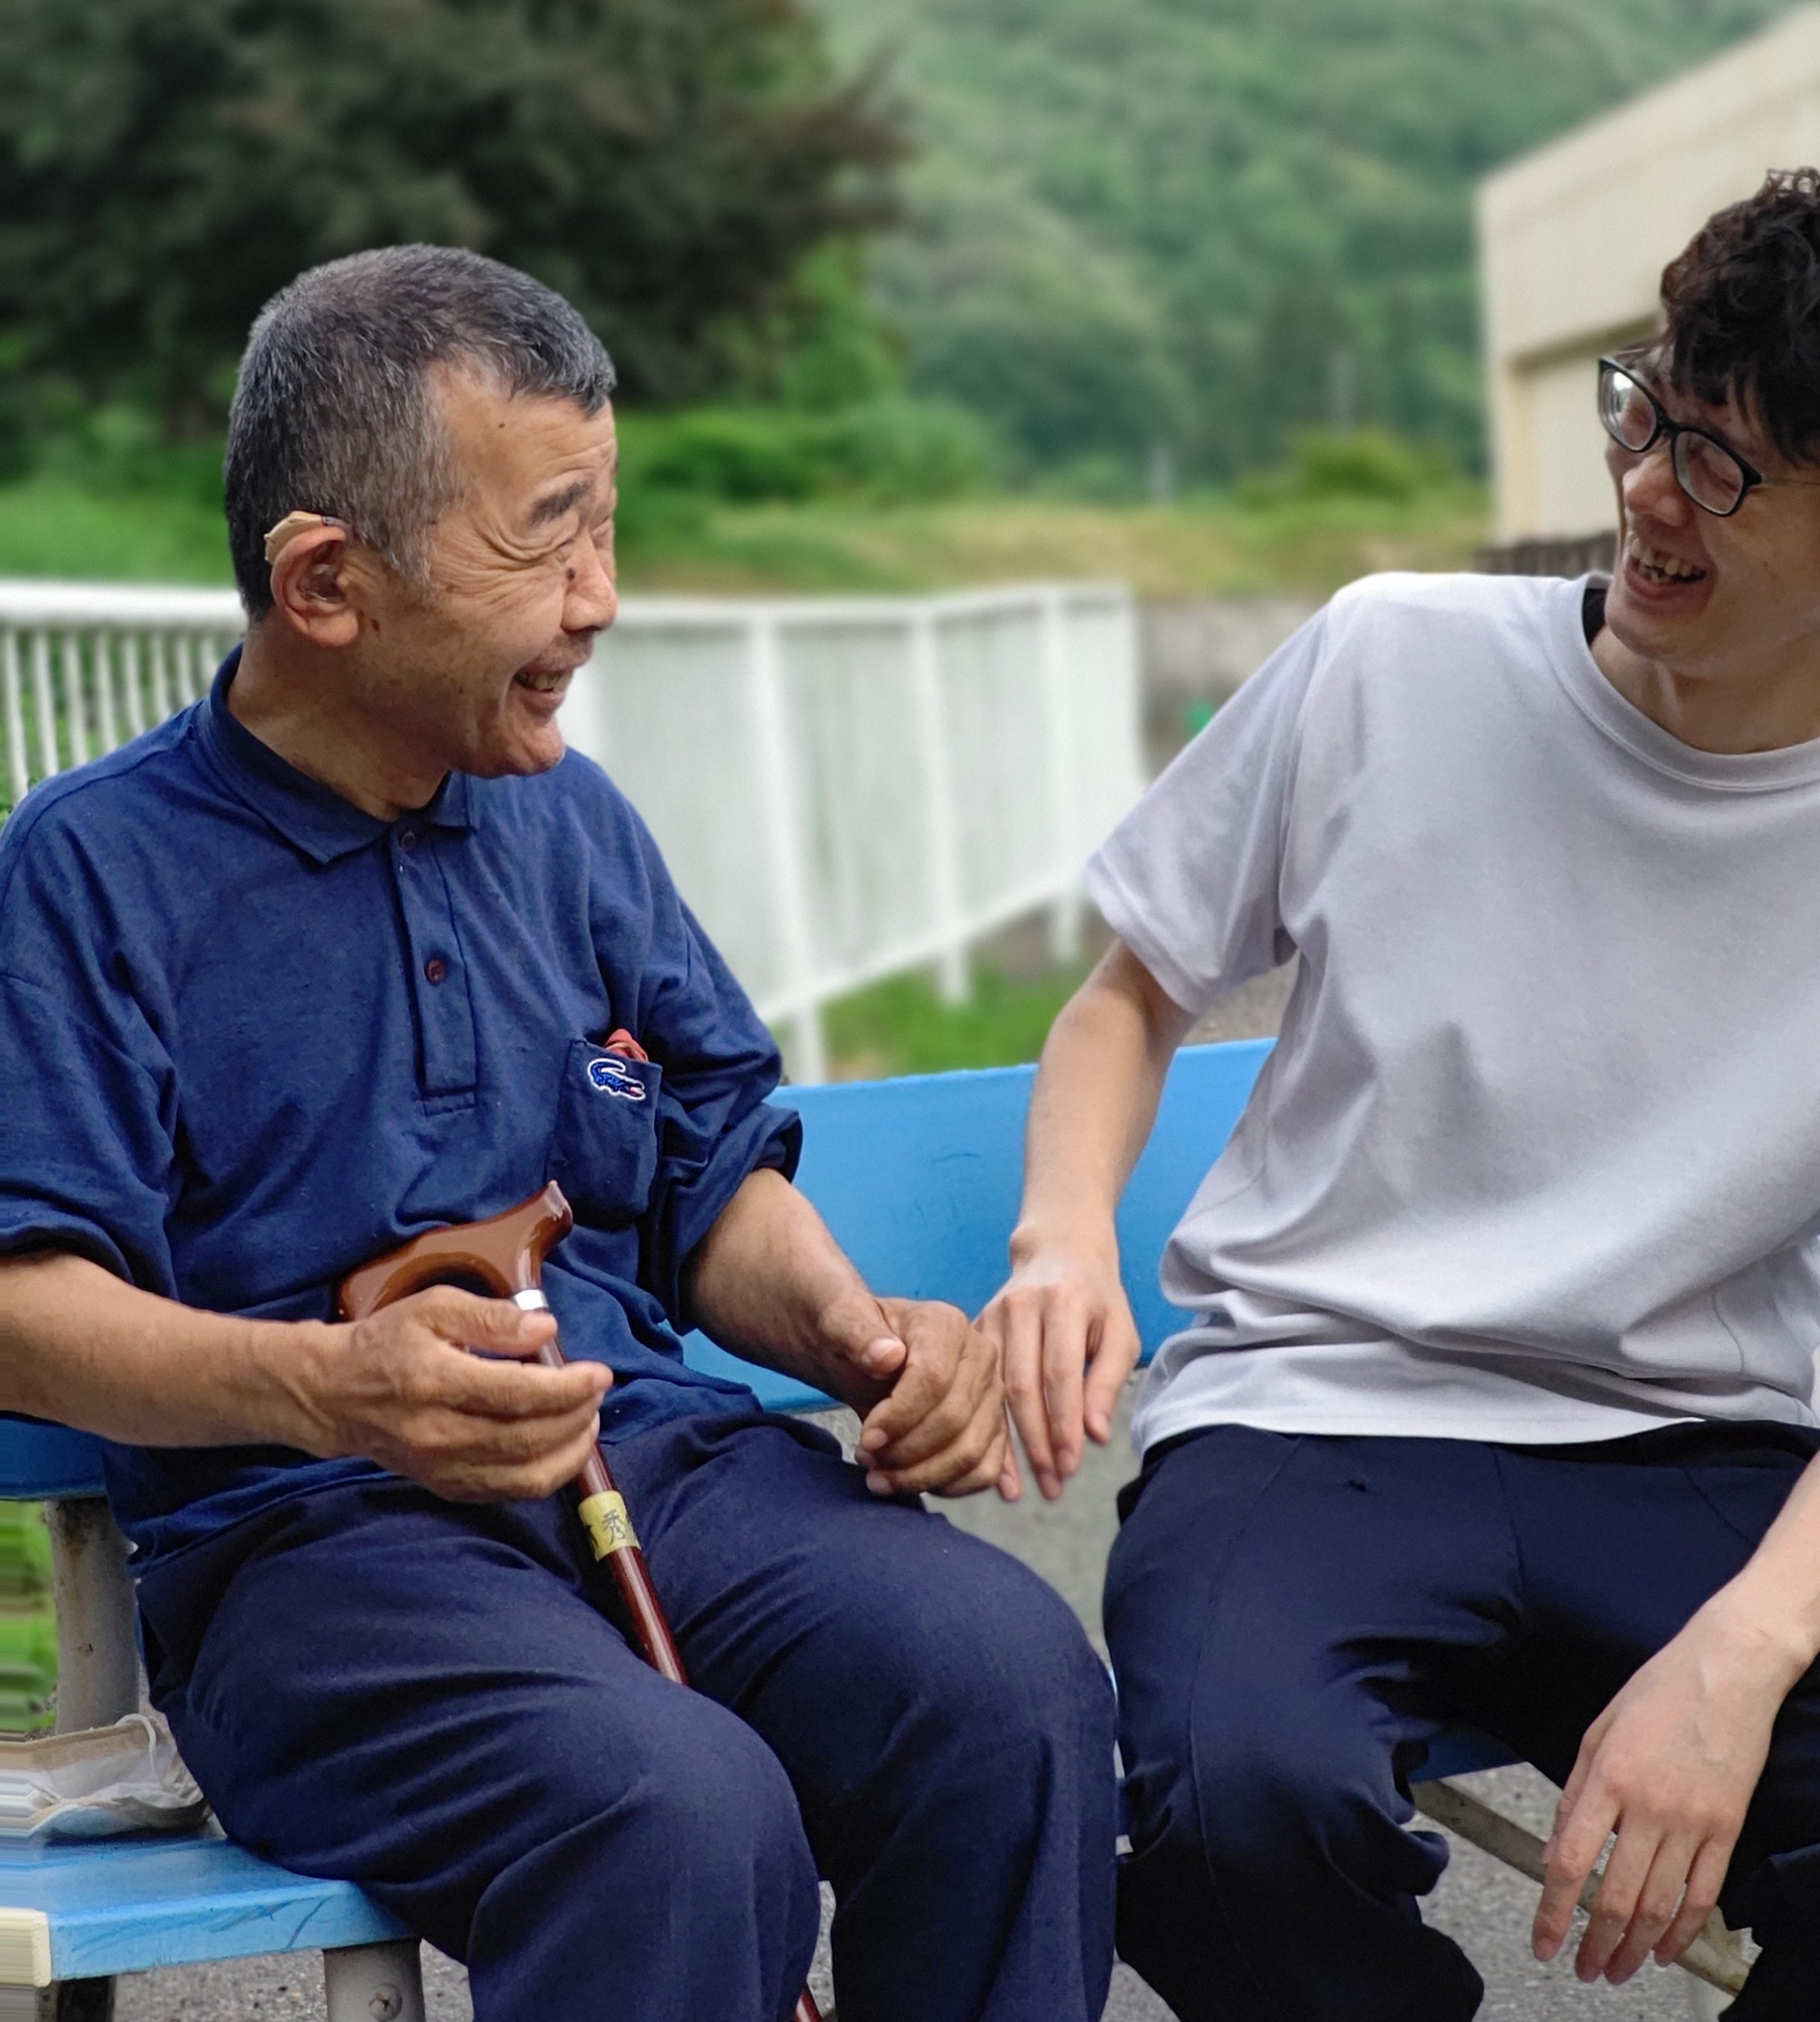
[1266, 1781]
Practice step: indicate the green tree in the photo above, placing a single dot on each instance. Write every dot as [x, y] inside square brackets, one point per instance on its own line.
[166, 164]
[1217, 222]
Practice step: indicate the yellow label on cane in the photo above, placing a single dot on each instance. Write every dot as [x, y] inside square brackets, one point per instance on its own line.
[609, 1528]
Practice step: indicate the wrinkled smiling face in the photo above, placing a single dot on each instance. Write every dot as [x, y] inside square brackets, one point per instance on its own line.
[1708, 596]
[472, 665]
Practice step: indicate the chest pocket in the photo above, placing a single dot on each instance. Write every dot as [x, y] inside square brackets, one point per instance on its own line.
[603, 1150]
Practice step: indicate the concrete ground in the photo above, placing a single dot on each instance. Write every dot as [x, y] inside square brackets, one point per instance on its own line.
[1483, 1906]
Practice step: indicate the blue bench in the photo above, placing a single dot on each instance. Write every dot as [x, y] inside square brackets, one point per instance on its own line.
[919, 1180]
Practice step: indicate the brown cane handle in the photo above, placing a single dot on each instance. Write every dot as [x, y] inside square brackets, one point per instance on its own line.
[506, 1255]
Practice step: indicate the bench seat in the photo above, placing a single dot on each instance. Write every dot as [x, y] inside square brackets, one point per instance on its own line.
[920, 1179]
[85, 1910]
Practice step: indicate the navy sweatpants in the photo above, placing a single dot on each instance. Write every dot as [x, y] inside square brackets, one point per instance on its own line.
[1293, 1619]
[431, 1700]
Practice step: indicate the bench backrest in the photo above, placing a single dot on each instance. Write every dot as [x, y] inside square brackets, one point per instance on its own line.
[920, 1180]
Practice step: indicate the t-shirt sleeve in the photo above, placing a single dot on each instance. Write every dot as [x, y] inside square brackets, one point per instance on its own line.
[86, 1142]
[714, 1122]
[1190, 880]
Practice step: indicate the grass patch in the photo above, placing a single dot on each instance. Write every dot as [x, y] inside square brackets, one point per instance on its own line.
[28, 1630]
[51, 526]
[1199, 547]
[900, 1026]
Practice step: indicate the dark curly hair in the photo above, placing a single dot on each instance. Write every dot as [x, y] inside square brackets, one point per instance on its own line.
[1743, 304]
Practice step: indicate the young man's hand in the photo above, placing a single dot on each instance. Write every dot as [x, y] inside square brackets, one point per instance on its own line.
[1670, 1766]
[927, 1387]
[1063, 1330]
[1061, 1320]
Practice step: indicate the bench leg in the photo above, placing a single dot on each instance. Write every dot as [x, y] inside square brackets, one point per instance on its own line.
[97, 1673]
[375, 1982]
[68, 2001]
[97, 1648]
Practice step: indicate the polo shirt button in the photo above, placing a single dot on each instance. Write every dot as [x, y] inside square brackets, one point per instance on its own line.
[407, 839]
[435, 969]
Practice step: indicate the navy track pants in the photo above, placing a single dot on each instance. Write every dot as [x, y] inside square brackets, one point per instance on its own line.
[1293, 1619]
[428, 1699]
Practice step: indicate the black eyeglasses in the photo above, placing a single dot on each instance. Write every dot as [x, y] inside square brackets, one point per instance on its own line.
[1706, 467]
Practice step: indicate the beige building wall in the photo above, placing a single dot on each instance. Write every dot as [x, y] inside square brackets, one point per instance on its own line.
[1573, 240]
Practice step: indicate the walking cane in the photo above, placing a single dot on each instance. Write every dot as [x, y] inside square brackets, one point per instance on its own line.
[505, 1257]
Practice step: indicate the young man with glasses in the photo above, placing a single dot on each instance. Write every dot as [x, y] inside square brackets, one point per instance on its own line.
[1495, 1400]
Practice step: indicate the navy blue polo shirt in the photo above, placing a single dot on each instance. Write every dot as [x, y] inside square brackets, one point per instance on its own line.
[251, 1037]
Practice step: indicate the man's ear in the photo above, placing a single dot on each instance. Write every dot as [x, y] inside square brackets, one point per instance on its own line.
[313, 589]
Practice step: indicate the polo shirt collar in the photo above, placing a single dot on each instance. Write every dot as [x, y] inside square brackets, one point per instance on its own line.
[311, 817]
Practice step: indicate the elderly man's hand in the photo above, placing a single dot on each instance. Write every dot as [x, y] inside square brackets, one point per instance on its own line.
[437, 1388]
[926, 1385]
[1669, 1767]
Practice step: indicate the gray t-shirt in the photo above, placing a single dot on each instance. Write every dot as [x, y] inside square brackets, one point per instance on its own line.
[1537, 1156]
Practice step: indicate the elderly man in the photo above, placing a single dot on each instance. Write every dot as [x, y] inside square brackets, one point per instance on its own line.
[1496, 1400]
[325, 961]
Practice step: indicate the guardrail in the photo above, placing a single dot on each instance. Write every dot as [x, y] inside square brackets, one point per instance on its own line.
[844, 787]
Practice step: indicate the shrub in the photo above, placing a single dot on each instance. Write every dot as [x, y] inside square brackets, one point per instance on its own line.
[1358, 464]
[885, 450]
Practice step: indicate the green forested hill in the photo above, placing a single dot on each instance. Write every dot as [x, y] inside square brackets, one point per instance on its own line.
[1201, 223]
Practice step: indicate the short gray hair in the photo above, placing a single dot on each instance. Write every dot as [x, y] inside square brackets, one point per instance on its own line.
[334, 412]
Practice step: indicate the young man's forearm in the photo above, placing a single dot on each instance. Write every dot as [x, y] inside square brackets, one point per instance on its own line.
[1774, 1603]
[1091, 1111]
[1061, 1321]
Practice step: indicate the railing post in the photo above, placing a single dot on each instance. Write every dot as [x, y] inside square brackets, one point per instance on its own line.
[18, 771]
[44, 704]
[134, 696]
[807, 1051]
[159, 644]
[937, 755]
[1064, 917]
[70, 665]
[107, 729]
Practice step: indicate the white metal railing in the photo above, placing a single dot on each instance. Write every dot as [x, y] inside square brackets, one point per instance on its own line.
[843, 787]
[84, 666]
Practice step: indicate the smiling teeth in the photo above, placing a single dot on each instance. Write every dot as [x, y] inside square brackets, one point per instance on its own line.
[1665, 567]
[545, 684]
